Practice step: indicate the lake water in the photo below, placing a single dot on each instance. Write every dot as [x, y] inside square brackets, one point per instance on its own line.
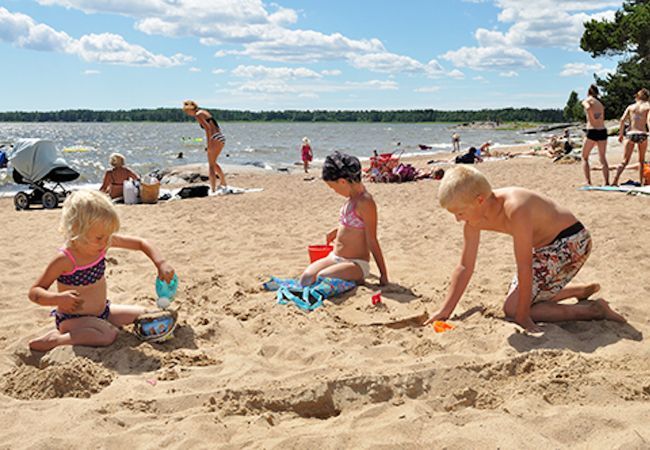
[148, 146]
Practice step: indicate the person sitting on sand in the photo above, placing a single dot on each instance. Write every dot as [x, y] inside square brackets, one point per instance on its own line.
[113, 183]
[596, 133]
[355, 238]
[484, 149]
[82, 314]
[550, 246]
[637, 115]
[470, 157]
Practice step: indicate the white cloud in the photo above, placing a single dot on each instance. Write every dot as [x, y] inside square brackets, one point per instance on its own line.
[509, 74]
[91, 72]
[331, 73]
[427, 89]
[573, 69]
[22, 31]
[258, 29]
[274, 72]
[457, 74]
[492, 58]
[194, 69]
[218, 71]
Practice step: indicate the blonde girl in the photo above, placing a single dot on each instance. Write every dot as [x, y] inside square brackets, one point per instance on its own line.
[215, 139]
[83, 314]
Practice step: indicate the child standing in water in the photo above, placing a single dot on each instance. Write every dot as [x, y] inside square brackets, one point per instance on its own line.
[83, 315]
[550, 247]
[306, 153]
[356, 235]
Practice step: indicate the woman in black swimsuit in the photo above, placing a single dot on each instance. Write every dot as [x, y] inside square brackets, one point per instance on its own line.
[215, 139]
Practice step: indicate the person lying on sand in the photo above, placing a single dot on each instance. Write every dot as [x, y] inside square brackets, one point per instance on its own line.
[550, 247]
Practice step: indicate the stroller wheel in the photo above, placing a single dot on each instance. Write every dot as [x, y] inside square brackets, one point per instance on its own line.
[21, 201]
[49, 200]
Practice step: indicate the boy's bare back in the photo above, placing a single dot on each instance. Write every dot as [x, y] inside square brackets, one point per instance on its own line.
[514, 207]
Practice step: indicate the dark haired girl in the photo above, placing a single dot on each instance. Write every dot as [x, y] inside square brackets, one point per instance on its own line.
[356, 235]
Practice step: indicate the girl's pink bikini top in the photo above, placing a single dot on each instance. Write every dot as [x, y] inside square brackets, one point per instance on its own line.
[83, 275]
[348, 217]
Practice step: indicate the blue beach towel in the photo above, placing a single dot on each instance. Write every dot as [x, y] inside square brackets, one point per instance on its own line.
[307, 298]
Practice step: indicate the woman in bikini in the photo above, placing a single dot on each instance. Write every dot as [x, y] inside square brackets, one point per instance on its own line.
[114, 178]
[596, 133]
[216, 142]
[355, 238]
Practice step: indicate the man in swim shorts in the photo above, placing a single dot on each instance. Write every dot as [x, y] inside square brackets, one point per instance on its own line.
[637, 116]
[596, 133]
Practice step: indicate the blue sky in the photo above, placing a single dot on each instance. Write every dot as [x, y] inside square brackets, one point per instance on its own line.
[290, 54]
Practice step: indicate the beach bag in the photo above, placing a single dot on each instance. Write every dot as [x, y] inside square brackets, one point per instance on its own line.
[149, 191]
[646, 173]
[307, 298]
[194, 191]
[131, 192]
[405, 172]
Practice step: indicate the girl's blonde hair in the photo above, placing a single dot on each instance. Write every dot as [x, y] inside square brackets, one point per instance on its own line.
[82, 209]
[461, 186]
[643, 95]
[116, 160]
[190, 105]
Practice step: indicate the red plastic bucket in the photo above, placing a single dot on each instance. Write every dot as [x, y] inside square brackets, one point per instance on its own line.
[317, 252]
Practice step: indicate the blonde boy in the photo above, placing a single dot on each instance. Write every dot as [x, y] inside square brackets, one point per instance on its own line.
[550, 246]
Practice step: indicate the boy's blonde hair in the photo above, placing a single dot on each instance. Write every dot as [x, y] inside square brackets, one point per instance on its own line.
[116, 160]
[82, 209]
[190, 105]
[461, 185]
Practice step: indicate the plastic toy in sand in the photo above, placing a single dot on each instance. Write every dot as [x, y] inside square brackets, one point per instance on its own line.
[166, 291]
[317, 252]
[376, 299]
[440, 326]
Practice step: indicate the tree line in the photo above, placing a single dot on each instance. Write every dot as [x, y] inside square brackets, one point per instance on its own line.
[177, 115]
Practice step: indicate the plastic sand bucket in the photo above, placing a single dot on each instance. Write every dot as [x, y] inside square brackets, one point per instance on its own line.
[317, 252]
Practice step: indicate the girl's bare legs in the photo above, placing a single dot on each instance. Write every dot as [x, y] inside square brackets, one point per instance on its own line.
[643, 146]
[586, 149]
[579, 291]
[214, 169]
[602, 148]
[326, 267]
[627, 154]
[305, 164]
[125, 314]
[91, 331]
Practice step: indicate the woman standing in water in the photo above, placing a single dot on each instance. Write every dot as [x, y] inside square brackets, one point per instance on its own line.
[216, 142]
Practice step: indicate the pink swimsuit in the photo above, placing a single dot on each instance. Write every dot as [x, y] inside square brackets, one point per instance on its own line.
[348, 217]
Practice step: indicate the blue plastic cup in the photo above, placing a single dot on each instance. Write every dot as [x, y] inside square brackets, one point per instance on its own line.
[164, 289]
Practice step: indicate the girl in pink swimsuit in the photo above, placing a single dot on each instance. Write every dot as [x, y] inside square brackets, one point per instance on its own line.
[83, 315]
[355, 237]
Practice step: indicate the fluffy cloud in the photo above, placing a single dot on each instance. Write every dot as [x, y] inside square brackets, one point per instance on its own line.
[261, 32]
[573, 69]
[509, 74]
[492, 58]
[274, 72]
[428, 89]
[22, 31]
[539, 24]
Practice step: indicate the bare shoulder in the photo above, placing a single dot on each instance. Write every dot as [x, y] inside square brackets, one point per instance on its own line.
[517, 199]
[366, 202]
[61, 263]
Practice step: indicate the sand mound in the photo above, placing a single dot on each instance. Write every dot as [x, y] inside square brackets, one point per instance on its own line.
[79, 378]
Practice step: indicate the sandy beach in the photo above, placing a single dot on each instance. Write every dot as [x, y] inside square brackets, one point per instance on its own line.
[245, 372]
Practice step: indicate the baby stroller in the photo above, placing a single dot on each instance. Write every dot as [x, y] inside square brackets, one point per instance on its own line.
[35, 162]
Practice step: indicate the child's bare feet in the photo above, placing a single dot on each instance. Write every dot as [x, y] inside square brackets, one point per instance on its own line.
[608, 312]
[46, 342]
[589, 290]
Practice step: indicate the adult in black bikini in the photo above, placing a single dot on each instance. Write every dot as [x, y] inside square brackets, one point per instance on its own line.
[215, 139]
[114, 178]
[637, 117]
[596, 133]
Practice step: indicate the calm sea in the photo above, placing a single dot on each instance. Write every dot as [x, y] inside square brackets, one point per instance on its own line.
[148, 146]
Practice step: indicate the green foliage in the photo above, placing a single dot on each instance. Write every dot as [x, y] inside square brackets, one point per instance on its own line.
[573, 111]
[628, 35]
[404, 116]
